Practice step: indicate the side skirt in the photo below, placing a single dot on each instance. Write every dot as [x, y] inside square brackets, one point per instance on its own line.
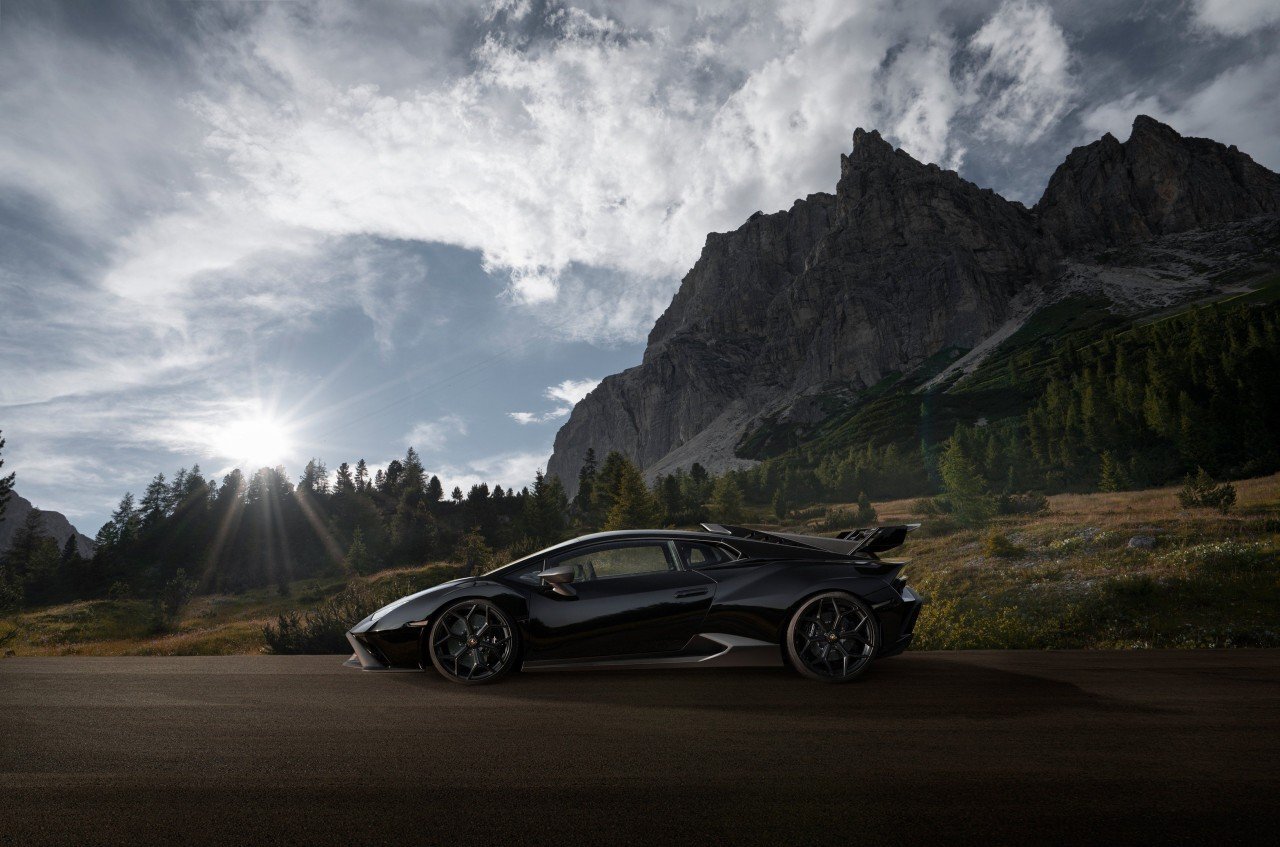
[734, 651]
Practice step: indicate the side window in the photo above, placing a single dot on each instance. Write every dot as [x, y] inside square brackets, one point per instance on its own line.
[622, 560]
[700, 555]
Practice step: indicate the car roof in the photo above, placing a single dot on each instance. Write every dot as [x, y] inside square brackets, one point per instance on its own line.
[676, 534]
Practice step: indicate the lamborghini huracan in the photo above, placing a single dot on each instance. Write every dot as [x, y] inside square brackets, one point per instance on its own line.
[726, 597]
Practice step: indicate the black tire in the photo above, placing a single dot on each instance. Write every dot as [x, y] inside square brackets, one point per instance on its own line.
[832, 637]
[473, 642]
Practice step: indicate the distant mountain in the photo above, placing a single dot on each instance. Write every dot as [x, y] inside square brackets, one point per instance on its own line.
[909, 272]
[55, 524]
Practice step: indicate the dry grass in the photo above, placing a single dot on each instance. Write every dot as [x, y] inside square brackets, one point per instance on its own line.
[1253, 497]
[1074, 581]
[210, 625]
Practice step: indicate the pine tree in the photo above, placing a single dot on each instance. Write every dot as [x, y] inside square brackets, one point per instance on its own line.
[671, 499]
[726, 500]
[544, 510]
[358, 560]
[315, 478]
[344, 484]
[392, 479]
[780, 506]
[362, 476]
[606, 486]
[633, 507]
[965, 489]
[412, 477]
[155, 501]
[177, 491]
[126, 520]
[1112, 476]
[31, 561]
[6, 483]
[586, 483]
[435, 491]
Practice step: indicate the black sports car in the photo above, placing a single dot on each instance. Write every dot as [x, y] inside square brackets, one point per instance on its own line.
[726, 597]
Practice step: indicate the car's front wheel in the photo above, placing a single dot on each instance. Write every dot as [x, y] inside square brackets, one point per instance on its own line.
[473, 642]
[832, 637]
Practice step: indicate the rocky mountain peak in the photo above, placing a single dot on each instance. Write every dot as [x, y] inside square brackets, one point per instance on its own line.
[1158, 182]
[868, 144]
[55, 524]
[905, 261]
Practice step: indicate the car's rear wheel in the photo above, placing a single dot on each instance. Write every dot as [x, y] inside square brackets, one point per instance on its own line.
[832, 637]
[473, 642]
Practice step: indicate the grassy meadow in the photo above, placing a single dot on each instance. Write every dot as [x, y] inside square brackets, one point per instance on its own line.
[1065, 579]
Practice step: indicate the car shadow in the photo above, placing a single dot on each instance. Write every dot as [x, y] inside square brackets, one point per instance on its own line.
[922, 688]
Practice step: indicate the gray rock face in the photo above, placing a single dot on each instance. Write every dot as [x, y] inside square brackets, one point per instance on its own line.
[55, 524]
[903, 261]
[1156, 183]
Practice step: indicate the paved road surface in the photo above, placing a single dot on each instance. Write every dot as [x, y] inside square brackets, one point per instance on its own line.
[991, 747]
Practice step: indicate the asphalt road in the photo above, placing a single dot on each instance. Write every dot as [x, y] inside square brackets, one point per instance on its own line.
[991, 747]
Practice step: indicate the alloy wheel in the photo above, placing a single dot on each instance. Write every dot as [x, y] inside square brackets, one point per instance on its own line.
[472, 642]
[833, 637]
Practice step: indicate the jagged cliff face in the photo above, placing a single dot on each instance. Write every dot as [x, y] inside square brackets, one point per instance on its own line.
[1154, 184]
[903, 261]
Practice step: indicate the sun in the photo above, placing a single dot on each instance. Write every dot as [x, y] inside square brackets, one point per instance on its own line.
[258, 441]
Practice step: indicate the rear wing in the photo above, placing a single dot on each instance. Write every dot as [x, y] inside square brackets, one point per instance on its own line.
[872, 539]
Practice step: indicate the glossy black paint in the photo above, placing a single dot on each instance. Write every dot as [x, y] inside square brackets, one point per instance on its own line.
[652, 614]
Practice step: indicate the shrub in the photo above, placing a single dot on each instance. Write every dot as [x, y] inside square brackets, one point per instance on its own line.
[1224, 556]
[866, 514]
[999, 546]
[176, 594]
[1029, 503]
[1201, 491]
[324, 628]
[926, 506]
[835, 519]
[1136, 587]
[476, 556]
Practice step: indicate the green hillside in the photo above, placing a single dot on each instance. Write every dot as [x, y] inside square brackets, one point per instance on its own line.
[1206, 372]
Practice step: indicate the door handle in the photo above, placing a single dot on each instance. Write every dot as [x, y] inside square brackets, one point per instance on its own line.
[691, 592]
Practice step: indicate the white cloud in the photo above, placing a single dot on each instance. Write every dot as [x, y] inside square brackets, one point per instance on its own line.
[510, 470]
[432, 435]
[571, 390]
[920, 91]
[1240, 106]
[568, 393]
[1236, 17]
[1024, 82]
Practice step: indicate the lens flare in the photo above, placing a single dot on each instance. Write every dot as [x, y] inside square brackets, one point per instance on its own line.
[255, 441]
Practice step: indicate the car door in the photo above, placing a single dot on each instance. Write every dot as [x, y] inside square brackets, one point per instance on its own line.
[632, 597]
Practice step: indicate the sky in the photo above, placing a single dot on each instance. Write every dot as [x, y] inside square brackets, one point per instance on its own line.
[242, 234]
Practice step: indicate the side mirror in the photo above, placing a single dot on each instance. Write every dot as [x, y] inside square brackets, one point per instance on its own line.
[558, 579]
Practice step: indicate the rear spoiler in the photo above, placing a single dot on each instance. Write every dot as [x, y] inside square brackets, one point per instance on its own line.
[872, 539]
